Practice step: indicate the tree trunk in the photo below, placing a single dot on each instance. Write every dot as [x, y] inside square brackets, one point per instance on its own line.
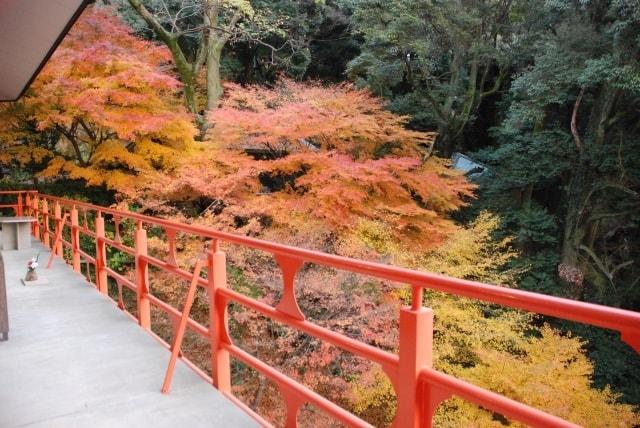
[575, 228]
[214, 79]
[576, 195]
[600, 114]
[187, 72]
[187, 77]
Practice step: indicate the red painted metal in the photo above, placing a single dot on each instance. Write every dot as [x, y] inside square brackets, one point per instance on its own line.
[182, 325]
[75, 239]
[142, 278]
[218, 319]
[57, 241]
[419, 388]
[21, 196]
[101, 256]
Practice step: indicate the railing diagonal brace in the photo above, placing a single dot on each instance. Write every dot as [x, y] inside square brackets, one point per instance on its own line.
[177, 340]
[56, 241]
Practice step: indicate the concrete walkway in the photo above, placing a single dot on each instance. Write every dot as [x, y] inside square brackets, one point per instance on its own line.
[74, 360]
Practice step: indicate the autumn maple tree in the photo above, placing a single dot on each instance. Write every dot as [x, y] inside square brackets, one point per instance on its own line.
[307, 117]
[302, 161]
[106, 102]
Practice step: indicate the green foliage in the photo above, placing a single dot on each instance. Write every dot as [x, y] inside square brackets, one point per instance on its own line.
[570, 196]
[437, 61]
[582, 73]
[521, 160]
[239, 282]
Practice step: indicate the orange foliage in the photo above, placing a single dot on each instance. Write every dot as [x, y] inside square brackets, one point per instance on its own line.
[107, 102]
[304, 164]
[303, 197]
[303, 117]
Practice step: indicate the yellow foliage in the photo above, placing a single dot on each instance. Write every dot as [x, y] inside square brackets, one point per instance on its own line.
[104, 109]
[242, 6]
[115, 153]
[373, 395]
[473, 254]
[160, 155]
[93, 175]
[551, 372]
[496, 348]
[22, 154]
[376, 235]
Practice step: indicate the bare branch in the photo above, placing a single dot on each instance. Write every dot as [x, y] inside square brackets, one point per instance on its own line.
[151, 20]
[574, 121]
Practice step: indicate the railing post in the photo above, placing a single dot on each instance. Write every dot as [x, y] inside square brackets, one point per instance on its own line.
[142, 279]
[45, 223]
[101, 256]
[27, 203]
[218, 331]
[416, 340]
[57, 215]
[75, 239]
[35, 212]
[19, 209]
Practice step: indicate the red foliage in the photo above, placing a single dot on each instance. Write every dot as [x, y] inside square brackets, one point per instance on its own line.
[311, 194]
[106, 76]
[294, 117]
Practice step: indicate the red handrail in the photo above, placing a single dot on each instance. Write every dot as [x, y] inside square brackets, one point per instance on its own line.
[419, 388]
[20, 195]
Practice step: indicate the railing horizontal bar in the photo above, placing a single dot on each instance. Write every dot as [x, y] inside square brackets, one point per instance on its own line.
[15, 192]
[87, 231]
[119, 278]
[119, 246]
[173, 269]
[587, 313]
[490, 400]
[284, 381]
[175, 313]
[341, 341]
[87, 257]
[170, 310]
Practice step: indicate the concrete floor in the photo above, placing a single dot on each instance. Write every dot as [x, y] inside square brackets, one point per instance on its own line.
[74, 360]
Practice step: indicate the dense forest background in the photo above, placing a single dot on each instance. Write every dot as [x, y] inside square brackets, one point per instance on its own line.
[330, 124]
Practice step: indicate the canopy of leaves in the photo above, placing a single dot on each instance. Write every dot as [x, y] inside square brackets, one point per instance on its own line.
[307, 117]
[330, 157]
[320, 193]
[436, 60]
[108, 105]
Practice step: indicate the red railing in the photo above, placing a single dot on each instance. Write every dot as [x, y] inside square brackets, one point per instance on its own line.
[419, 388]
[19, 196]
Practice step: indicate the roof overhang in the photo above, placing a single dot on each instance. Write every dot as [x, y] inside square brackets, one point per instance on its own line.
[30, 31]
